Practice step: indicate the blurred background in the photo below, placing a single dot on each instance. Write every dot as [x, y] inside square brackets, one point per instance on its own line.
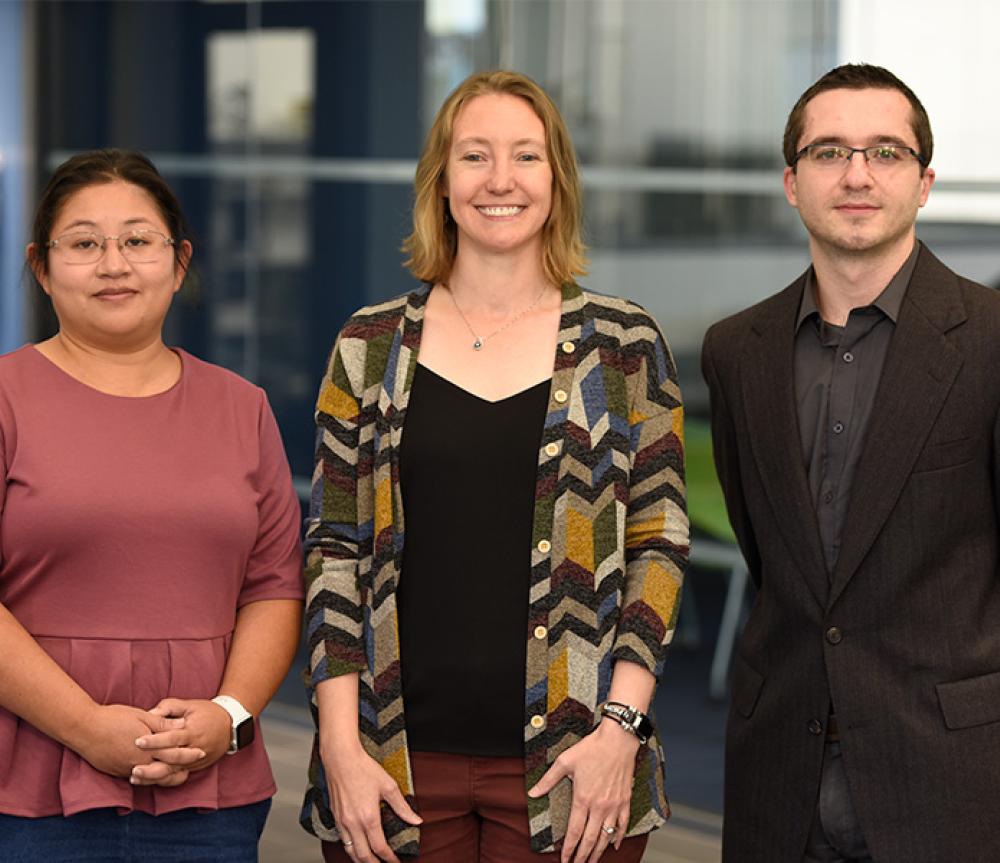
[290, 131]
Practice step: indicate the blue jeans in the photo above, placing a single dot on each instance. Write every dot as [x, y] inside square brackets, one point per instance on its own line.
[104, 836]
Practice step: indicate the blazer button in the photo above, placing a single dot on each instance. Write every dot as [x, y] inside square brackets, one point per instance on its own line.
[815, 727]
[834, 635]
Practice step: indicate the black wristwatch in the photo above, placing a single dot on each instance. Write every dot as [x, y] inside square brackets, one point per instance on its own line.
[632, 719]
[242, 729]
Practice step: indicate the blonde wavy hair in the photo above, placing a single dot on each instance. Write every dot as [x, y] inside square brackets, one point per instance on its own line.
[432, 246]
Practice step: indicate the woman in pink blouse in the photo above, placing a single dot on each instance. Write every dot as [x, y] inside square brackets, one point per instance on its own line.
[150, 586]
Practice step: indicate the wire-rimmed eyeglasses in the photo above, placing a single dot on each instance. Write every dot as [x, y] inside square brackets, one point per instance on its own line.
[140, 246]
[878, 157]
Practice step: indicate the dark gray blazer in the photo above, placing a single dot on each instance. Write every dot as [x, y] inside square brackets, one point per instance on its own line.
[905, 633]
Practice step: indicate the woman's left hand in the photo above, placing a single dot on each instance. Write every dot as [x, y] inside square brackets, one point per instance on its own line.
[206, 727]
[601, 768]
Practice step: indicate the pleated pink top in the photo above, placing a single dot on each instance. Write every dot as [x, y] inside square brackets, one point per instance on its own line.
[131, 531]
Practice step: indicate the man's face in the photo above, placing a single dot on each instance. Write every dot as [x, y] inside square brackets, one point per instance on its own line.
[852, 207]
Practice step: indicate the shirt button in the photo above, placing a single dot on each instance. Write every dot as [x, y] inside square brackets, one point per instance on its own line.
[834, 635]
[815, 727]
[544, 546]
[848, 357]
[568, 347]
[552, 449]
[537, 721]
[541, 632]
[838, 427]
[560, 396]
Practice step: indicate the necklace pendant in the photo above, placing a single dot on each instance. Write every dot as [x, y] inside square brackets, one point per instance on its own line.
[477, 345]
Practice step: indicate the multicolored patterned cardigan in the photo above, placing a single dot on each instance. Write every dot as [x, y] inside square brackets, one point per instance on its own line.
[608, 554]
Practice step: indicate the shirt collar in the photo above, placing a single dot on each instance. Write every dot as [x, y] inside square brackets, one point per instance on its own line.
[889, 302]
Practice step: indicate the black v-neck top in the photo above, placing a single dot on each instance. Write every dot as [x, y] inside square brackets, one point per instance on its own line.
[467, 472]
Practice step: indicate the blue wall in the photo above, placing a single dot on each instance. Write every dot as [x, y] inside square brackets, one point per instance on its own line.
[12, 172]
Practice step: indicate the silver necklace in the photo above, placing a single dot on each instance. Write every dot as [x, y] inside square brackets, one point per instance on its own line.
[477, 345]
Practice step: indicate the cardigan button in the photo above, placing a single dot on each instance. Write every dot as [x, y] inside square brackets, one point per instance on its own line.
[568, 347]
[541, 632]
[560, 396]
[537, 721]
[544, 546]
[552, 449]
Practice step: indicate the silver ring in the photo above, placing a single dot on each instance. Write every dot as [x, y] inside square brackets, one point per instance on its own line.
[347, 843]
[609, 829]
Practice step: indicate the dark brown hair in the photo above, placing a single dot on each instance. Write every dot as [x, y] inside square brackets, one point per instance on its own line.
[859, 76]
[96, 167]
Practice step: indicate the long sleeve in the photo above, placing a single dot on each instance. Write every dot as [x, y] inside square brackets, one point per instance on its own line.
[334, 537]
[656, 525]
[726, 456]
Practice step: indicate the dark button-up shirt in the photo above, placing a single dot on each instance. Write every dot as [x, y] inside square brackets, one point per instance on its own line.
[837, 371]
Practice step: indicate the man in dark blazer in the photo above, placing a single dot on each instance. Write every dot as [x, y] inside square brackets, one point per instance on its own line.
[856, 426]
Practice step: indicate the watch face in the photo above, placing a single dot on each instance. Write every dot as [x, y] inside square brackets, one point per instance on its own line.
[244, 733]
[645, 728]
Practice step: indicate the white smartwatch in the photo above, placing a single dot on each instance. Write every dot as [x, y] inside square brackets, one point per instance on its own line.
[241, 735]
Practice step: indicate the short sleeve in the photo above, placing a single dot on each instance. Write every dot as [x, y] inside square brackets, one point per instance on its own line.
[274, 569]
[6, 436]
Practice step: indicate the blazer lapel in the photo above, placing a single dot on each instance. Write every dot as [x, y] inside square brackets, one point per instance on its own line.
[919, 371]
[767, 369]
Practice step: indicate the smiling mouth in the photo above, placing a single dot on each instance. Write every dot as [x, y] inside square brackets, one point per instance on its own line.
[111, 293]
[500, 211]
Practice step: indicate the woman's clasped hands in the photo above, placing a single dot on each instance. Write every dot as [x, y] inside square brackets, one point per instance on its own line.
[183, 735]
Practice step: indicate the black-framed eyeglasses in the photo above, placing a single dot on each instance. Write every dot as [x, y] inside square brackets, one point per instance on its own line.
[140, 246]
[879, 157]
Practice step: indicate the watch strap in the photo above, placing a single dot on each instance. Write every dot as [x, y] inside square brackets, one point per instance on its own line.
[241, 728]
[632, 719]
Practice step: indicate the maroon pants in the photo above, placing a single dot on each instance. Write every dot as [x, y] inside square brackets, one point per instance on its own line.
[475, 811]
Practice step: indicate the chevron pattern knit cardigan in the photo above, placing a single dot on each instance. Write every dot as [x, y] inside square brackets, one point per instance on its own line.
[607, 558]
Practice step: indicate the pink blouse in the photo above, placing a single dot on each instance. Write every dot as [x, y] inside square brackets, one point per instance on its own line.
[131, 531]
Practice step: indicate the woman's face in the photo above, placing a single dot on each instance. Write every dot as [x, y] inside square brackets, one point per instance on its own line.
[498, 179]
[113, 303]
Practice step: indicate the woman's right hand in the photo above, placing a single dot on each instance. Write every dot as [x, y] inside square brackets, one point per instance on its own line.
[358, 784]
[108, 735]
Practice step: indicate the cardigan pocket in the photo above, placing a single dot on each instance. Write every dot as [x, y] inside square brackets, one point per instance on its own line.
[970, 702]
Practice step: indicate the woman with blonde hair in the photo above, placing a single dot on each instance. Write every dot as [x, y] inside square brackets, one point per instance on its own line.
[494, 671]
